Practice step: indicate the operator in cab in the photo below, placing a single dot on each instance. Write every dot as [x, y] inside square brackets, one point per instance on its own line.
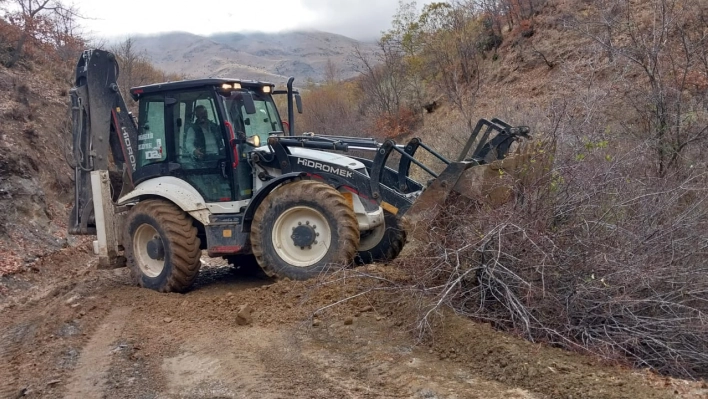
[205, 135]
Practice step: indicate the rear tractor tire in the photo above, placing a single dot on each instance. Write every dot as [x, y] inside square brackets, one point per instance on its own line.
[382, 244]
[302, 229]
[162, 247]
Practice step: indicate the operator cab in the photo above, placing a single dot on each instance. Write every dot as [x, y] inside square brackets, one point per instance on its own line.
[200, 131]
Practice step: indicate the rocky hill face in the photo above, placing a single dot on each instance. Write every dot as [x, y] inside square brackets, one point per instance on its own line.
[261, 56]
[35, 179]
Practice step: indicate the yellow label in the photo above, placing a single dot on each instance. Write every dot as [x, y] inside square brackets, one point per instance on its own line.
[226, 233]
[389, 208]
[118, 110]
[349, 197]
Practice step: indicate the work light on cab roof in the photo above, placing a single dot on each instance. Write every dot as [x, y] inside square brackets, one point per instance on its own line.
[230, 86]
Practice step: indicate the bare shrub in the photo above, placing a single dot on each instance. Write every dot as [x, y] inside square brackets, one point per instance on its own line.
[332, 109]
[660, 43]
[605, 259]
[392, 126]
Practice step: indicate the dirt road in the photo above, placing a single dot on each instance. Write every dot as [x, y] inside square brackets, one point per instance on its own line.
[69, 330]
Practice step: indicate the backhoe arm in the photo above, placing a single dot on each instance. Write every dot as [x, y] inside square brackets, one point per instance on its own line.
[104, 135]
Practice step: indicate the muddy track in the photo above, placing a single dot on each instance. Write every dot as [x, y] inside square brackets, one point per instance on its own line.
[89, 377]
[93, 334]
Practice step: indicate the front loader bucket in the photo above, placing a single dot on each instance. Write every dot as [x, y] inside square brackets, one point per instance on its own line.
[487, 178]
[492, 184]
[487, 184]
[430, 202]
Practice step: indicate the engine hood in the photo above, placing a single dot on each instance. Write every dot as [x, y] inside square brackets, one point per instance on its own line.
[322, 156]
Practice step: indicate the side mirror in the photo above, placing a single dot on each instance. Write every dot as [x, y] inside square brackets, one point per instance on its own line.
[298, 103]
[248, 103]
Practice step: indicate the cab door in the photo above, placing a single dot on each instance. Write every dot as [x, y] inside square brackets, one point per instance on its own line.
[210, 173]
[153, 146]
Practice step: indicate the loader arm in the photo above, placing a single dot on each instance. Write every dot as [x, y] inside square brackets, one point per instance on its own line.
[104, 135]
[394, 190]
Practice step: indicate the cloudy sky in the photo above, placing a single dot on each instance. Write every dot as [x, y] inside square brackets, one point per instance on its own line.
[360, 19]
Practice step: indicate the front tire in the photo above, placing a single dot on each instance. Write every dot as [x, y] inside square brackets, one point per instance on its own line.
[303, 228]
[382, 244]
[162, 247]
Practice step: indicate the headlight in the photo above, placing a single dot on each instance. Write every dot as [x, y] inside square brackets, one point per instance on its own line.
[254, 141]
[266, 89]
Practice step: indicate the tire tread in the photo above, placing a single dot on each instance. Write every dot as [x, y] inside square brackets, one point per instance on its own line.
[180, 233]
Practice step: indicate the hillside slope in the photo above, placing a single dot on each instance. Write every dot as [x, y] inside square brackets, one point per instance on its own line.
[35, 180]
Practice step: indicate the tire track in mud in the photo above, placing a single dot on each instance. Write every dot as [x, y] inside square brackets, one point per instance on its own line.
[12, 339]
[247, 362]
[356, 361]
[89, 376]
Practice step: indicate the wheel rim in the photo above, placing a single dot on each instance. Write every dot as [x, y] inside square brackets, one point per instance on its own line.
[144, 234]
[371, 238]
[293, 220]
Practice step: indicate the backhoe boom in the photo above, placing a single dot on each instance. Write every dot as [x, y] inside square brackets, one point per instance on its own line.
[104, 134]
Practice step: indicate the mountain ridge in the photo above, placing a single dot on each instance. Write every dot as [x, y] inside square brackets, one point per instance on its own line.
[274, 57]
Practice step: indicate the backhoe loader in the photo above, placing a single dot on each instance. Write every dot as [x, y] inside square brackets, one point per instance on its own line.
[208, 165]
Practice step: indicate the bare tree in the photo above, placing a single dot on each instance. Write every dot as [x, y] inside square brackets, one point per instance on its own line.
[128, 58]
[66, 35]
[36, 20]
[669, 52]
[384, 82]
[450, 47]
[331, 72]
[135, 67]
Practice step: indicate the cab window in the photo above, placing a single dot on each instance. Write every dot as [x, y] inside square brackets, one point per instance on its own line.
[262, 123]
[151, 131]
[199, 141]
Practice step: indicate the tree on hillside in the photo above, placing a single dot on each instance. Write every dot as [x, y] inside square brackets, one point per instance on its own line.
[129, 58]
[331, 109]
[66, 35]
[40, 23]
[442, 48]
[383, 79]
[663, 43]
[331, 72]
[136, 68]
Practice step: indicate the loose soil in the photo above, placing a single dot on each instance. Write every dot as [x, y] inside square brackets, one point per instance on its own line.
[69, 330]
